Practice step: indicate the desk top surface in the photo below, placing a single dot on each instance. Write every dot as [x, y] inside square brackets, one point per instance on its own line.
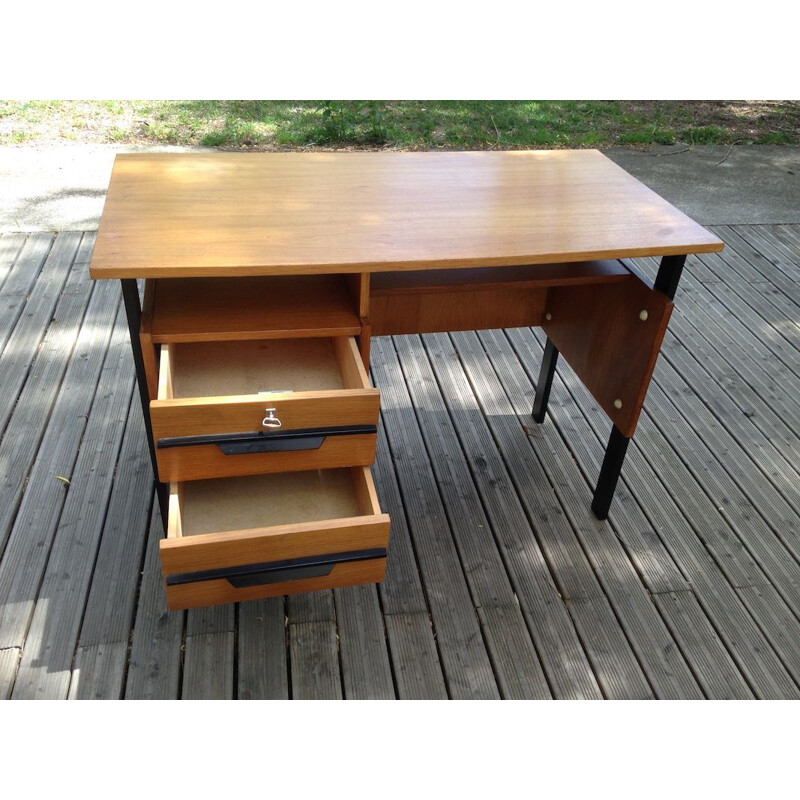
[228, 214]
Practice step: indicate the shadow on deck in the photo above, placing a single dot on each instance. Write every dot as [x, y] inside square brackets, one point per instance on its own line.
[501, 582]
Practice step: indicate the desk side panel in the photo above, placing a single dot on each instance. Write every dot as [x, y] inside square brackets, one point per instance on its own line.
[611, 336]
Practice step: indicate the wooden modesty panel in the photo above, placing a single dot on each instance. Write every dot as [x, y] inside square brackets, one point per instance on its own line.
[471, 279]
[218, 529]
[437, 311]
[601, 333]
[434, 301]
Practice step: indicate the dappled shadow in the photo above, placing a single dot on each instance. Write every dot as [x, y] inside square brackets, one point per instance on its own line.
[483, 124]
[69, 208]
[502, 556]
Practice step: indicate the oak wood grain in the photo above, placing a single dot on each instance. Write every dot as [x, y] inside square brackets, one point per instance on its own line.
[237, 214]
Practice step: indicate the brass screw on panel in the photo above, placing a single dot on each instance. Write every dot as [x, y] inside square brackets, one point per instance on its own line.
[548, 316]
[618, 404]
[643, 314]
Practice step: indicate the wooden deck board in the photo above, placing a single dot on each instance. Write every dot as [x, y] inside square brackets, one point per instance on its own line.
[564, 656]
[643, 645]
[772, 305]
[29, 543]
[263, 673]
[715, 670]
[10, 246]
[366, 670]
[313, 646]
[690, 528]
[155, 662]
[23, 342]
[780, 352]
[208, 671]
[412, 646]
[102, 652]
[465, 661]
[20, 280]
[761, 240]
[519, 365]
[30, 416]
[98, 672]
[56, 619]
[9, 663]
[762, 259]
[789, 238]
[710, 454]
[110, 606]
[691, 588]
[315, 662]
[778, 622]
[732, 362]
[474, 531]
[208, 666]
[415, 659]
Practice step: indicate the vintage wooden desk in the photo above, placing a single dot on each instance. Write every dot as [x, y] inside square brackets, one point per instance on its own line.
[265, 276]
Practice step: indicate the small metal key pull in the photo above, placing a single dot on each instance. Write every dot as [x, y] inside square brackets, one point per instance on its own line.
[271, 421]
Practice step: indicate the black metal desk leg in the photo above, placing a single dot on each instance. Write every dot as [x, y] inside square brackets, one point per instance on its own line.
[609, 473]
[133, 311]
[545, 382]
[669, 275]
[667, 279]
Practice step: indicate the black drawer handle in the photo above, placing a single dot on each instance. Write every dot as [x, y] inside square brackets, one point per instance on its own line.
[277, 571]
[233, 444]
[264, 444]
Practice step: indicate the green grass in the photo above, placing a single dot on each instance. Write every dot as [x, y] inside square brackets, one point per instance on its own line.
[266, 124]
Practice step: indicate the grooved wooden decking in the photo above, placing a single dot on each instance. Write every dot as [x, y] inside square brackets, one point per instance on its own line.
[501, 582]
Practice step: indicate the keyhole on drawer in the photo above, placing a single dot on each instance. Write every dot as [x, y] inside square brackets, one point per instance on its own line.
[271, 421]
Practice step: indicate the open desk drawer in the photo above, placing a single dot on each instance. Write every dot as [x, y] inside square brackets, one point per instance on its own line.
[234, 539]
[250, 407]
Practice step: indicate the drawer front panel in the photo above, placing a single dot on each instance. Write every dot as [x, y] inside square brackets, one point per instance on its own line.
[228, 459]
[176, 419]
[219, 591]
[345, 552]
[225, 415]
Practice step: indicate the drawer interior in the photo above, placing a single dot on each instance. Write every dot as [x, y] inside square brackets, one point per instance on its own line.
[215, 369]
[262, 501]
[238, 539]
[267, 501]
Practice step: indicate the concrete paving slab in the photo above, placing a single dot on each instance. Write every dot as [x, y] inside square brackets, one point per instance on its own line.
[59, 188]
[63, 187]
[721, 185]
